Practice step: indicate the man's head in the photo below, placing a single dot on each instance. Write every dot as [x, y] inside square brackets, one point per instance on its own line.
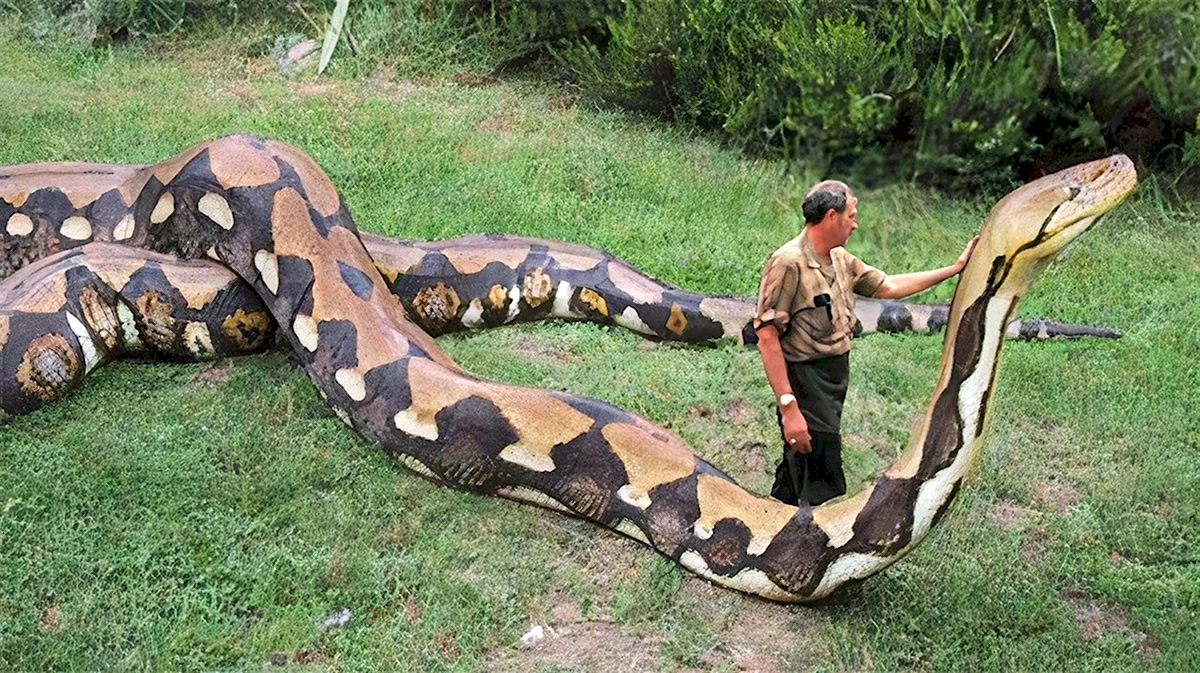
[832, 209]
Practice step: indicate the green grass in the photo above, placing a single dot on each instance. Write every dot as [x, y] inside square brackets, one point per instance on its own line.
[184, 517]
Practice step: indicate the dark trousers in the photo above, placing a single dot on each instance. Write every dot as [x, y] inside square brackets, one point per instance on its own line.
[820, 389]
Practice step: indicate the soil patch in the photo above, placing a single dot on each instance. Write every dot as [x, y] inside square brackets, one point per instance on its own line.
[756, 459]
[1007, 515]
[539, 349]
[584, 646]
[754, 635]
[217, 372]
[1034, 547]
[382, 82]
[738, 411]
[496, 124]
[755, 640]
[51, 619]
[1057, 497]
[1095, 620]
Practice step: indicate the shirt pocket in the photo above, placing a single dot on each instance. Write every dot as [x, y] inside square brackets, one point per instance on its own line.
[817, 320]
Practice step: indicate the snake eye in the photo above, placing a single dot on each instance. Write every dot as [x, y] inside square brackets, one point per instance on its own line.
[1074, 191]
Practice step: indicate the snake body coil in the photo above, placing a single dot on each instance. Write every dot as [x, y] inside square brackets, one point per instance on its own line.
[121, 282]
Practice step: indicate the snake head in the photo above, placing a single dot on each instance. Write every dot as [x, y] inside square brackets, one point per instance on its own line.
[1033, 224]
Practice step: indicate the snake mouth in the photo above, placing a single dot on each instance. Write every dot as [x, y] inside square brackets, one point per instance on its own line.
[1097, 188]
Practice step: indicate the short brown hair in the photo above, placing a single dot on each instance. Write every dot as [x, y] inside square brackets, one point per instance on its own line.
[823, 197]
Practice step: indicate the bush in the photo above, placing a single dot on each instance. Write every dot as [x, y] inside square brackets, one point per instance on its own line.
[961, 93]
[100, 22]
[957, 92]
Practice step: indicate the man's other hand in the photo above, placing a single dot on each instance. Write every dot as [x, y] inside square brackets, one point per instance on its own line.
[795, 428]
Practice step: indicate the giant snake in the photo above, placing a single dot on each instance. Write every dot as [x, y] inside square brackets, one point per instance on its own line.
[115, 260]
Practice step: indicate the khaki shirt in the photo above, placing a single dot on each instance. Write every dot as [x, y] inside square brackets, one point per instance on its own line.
[793, 280]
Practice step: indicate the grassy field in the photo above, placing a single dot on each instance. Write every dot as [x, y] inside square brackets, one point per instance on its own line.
[217, 516]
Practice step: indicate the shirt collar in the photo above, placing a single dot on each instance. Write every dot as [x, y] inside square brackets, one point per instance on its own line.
[807, 249]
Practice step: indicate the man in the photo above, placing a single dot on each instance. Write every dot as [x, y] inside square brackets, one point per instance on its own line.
[803, 323]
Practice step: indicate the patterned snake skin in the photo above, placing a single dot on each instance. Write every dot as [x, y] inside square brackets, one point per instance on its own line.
[106, 261]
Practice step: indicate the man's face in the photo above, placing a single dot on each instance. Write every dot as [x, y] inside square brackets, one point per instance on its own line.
[846, 221]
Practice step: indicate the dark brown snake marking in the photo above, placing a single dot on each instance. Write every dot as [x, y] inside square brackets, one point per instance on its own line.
[268, 213]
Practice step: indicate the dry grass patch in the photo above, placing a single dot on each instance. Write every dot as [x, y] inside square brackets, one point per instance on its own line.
[384, 83]
[1057, 497]
[753, 634]
[541, 349]
[218, 371]
[52, 619]
[1095, 620]
[1007, 515]
[738, 411]
[601, 647]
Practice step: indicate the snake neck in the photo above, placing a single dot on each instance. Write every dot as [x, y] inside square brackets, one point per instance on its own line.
[882, 523]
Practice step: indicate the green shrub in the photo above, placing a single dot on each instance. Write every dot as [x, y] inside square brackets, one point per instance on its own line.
[961, 91]
[964, 93]
[99, 22]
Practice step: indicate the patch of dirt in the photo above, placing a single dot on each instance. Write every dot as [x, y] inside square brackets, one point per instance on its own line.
[383, 82]
[448, 643]
[398, 536]
[754, 640]
[1095, 620]
[496, 124]
[738, 411]
[1034, 547]
[51, 619]
[1057, 496]
[756, 459]
[560, 103]
[754, 635]
[473, 79]
[1007, 515]
[246, 94]
[532, 347]
[313, 90]
[566, 612]
[751, 635]
[584, 646]
[217, 372]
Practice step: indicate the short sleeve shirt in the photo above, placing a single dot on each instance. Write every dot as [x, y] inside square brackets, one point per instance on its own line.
[812, 304]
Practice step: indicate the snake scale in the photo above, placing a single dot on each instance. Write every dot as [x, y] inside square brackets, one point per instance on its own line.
[204, 253]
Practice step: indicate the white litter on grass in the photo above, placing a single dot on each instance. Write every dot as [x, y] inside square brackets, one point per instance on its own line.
[337, 619]
[534, 636]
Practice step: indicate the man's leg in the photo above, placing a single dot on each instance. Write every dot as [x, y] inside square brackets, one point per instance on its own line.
[789, 476]
[823, 469]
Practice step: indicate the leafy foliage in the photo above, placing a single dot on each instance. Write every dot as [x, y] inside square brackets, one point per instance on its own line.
[952, 92]
[957, 91]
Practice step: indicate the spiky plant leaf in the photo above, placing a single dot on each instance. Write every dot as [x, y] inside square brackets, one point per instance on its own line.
[333, 33]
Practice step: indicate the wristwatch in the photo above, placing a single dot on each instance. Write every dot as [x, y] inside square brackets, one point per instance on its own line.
[786, 399]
